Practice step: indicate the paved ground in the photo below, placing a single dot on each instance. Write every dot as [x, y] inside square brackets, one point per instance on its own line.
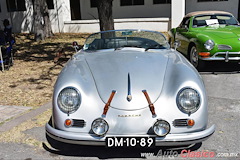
[15, 115]
[8, 112]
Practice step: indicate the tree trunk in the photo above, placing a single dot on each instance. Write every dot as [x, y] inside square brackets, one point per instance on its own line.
[239, 10]
[47, 23]
[105, 14]
[42, 24]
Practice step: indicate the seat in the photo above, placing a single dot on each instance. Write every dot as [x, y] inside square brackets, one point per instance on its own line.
[200, 23]
[6, 56]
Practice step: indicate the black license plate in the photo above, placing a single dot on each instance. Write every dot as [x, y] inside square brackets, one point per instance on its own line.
[145, 142]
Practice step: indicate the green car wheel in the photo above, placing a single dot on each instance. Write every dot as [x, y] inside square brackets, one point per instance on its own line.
[194, 59]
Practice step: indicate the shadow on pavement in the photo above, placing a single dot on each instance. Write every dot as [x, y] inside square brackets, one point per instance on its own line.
[104, 153]
[220, 67]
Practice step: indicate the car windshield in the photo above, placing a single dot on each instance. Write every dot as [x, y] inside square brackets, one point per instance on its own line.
[208, 20]
[118, 39]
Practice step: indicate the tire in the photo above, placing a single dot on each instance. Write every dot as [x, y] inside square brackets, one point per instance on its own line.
[194, 59]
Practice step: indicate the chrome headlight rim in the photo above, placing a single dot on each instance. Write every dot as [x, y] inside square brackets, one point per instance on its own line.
[164, 122]
[105, 131]
[209, 44]
[182, 108]
[69, 109]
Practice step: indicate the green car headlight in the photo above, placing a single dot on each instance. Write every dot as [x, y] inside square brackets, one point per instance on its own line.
[69, 100]
[188, 100]
[209, 44]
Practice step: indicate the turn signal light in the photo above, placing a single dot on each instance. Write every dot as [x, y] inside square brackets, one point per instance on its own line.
[204, 54]
[191, 122]
[68, 122]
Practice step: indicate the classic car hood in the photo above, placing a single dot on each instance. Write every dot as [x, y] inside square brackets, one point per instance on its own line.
[127, 72]
[223, 32]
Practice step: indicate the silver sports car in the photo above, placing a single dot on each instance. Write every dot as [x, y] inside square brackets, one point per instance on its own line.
[128, 88]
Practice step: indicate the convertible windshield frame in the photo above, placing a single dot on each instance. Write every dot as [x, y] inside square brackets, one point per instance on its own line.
[118, 39]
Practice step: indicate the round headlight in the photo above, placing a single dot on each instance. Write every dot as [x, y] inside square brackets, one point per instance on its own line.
[69, 100]
[209, 44]
[100, 126]
[161, 128]
[188, 100]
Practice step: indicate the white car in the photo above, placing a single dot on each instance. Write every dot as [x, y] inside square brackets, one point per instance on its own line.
[127, 88]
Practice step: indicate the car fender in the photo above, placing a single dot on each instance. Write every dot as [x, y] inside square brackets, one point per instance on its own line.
[199, 41]
[183, 75]
[76, 74]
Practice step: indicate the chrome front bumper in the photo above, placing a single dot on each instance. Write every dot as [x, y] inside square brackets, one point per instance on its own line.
[226, 56]
[169, 140]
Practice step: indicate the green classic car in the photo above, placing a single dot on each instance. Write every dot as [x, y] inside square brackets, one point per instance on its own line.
[207, 36]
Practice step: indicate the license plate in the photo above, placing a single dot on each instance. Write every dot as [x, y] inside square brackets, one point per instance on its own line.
[145, 142]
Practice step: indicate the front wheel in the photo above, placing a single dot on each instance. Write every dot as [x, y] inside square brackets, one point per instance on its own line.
[194, 59]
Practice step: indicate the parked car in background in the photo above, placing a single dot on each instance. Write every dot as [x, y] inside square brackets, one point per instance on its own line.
[208, 36]
[128, 88]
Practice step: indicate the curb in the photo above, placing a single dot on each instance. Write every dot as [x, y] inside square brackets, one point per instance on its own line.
[16, 121]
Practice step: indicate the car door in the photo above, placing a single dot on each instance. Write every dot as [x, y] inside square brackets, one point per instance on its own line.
[182, 35]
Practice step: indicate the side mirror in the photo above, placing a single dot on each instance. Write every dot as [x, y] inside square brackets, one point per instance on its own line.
[76, 46]
[176, 44]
